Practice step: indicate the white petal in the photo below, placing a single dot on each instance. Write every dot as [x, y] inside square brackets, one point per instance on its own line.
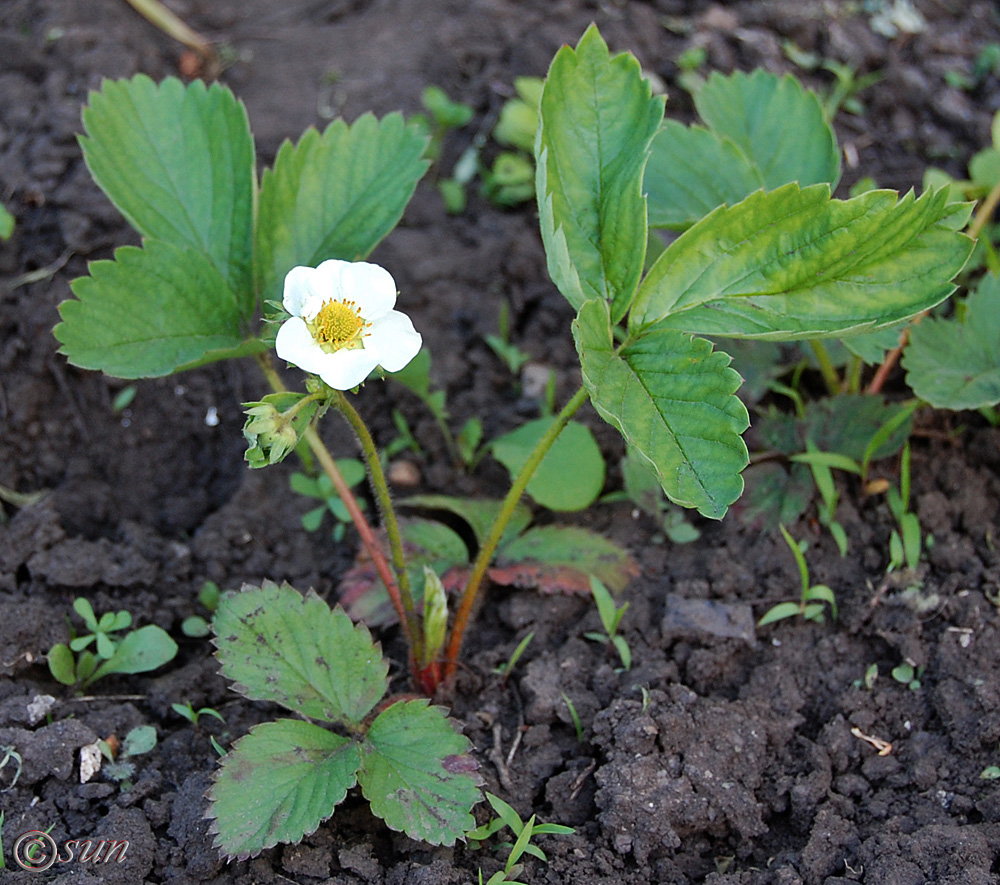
[395, 340]
[345, 369]
[298, 288]
[370, 287]
[329, 280]
[296, 345]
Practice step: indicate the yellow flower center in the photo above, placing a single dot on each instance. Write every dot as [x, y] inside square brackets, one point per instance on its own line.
[338, 325]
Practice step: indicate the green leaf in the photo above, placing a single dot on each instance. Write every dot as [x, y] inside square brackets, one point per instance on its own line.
[335, 195]
[6, 223]
[278, 784]
[569, 477]
[562, 559]
[150, 312]
[871, 347]
[955, 364]
[598, 117]
[140, 651]
[777, 124]
[781, 611]
[295, 651]
[139, 740]
[178, 162]
[673, 400]
[479, 513]
[417, 774]
[62, 666]
[691, 171]
[793, 263]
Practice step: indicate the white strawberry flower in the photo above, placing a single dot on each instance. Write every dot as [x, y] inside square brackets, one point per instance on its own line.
[342, 323]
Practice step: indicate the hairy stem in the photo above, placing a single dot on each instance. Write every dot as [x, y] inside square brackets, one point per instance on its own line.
[329, 466]
[830, 377]
[381, 487]
[492, 540]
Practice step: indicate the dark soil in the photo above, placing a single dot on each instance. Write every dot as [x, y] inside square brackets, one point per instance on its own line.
[723, 757]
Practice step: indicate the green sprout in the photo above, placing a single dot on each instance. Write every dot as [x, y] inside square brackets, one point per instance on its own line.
[611, 617]
[814, 598]
[504, 670]
[196, 626]
[140, 740]
[524, 832]
[908, 674]
[138, 651]
[905, 543]
[510, 354]
[188, 712]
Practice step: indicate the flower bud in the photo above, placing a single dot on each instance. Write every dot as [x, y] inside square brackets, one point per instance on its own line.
[435, 615]
[273, 427]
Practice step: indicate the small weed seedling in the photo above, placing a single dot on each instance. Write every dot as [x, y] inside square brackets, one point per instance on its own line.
[9, 756]
[505, 669]
[908, 674]
[524, 832]
[905, 544]
[510, 354]
[990, 773]
[138, 741]
[321, 488]
[192, 715]
[138, 651]
[611, 617]
[574, 717]
[284, 778]
[195, 626]
[814, 598]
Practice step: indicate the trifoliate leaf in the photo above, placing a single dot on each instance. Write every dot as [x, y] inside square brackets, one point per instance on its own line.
[150, 312]
[278, 784]
[597, 119]
[955, 364]
[335, 195]
[178, 162]
[673, 400]
[280, 646]
[792, 263]
[569, 477]
[417, 774]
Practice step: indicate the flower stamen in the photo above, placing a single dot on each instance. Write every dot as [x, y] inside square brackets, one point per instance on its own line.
[338, 325]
